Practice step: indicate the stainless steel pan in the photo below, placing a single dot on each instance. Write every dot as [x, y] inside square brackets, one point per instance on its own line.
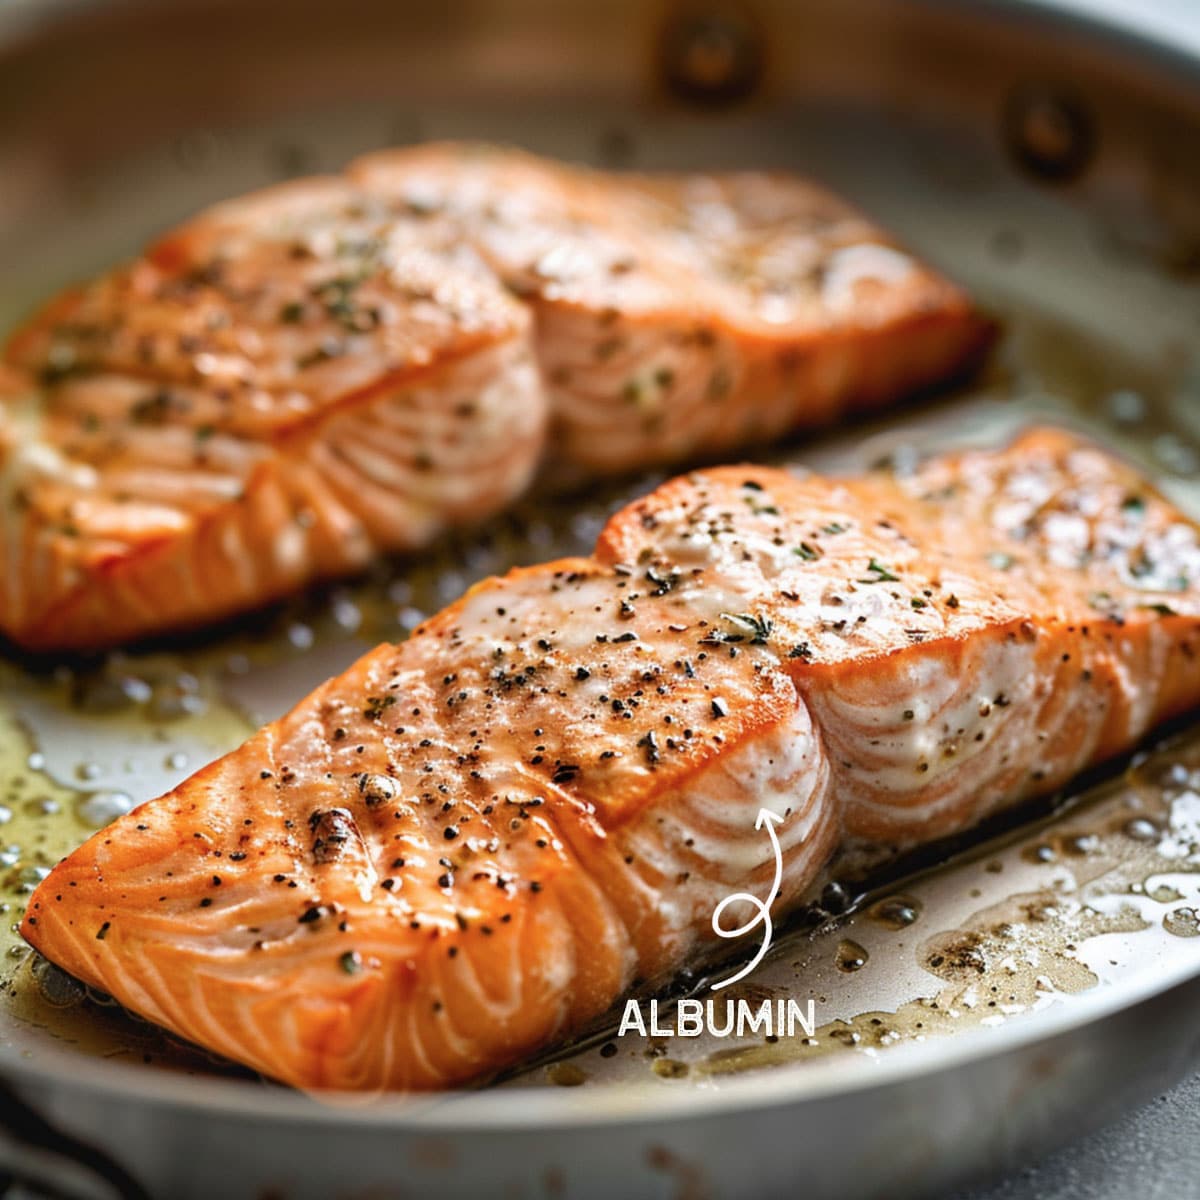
[1047, 160]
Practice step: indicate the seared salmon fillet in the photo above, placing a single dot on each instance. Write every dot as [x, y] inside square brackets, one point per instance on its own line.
[278, 392]
[295, 382]
[472, 844]
[684, 315]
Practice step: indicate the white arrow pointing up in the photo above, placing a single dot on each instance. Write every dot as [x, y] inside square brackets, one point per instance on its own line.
[762, 908]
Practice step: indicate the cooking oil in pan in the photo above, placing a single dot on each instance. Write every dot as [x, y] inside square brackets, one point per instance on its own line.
[1009, 926]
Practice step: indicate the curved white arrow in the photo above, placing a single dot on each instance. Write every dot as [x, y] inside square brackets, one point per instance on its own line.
[762, 908]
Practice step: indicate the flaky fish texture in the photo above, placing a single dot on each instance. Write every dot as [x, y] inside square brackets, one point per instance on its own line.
[296, 382]
[469, 846]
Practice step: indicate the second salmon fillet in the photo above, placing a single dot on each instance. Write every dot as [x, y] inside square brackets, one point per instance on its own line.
[293, 383]
[684, 315]
[469, 846]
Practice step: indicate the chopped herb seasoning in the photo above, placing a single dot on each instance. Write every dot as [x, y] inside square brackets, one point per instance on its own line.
[1163, 610]
[747, 627]
[377, 706]
[879, 573]
[663, 580]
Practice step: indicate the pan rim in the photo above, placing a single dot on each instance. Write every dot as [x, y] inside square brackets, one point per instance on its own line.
[548, 1106]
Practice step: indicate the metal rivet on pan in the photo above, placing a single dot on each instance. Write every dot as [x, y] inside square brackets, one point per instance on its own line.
[711, 55]
[1049, 133]
[196, 150]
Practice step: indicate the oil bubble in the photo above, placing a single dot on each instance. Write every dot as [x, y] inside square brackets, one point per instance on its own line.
[100, 808]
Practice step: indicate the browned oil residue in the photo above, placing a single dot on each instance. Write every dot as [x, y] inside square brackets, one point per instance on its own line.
[1004, 960]
[566, 1074]
[669, 1068]
[1182, 922]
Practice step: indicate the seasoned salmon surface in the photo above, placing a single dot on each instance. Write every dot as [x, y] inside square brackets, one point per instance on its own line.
[297, 381]
[276, 392]
[681, 315]
[472, 844]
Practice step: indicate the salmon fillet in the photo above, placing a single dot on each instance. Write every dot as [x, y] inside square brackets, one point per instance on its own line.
[684, 315]
[300, 380]
[470, 845]
[273, 394]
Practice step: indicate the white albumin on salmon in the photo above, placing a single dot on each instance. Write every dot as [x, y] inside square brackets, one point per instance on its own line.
[468, 847]
[295, 382]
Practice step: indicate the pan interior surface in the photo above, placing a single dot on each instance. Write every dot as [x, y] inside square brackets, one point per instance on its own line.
[1052, 184]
